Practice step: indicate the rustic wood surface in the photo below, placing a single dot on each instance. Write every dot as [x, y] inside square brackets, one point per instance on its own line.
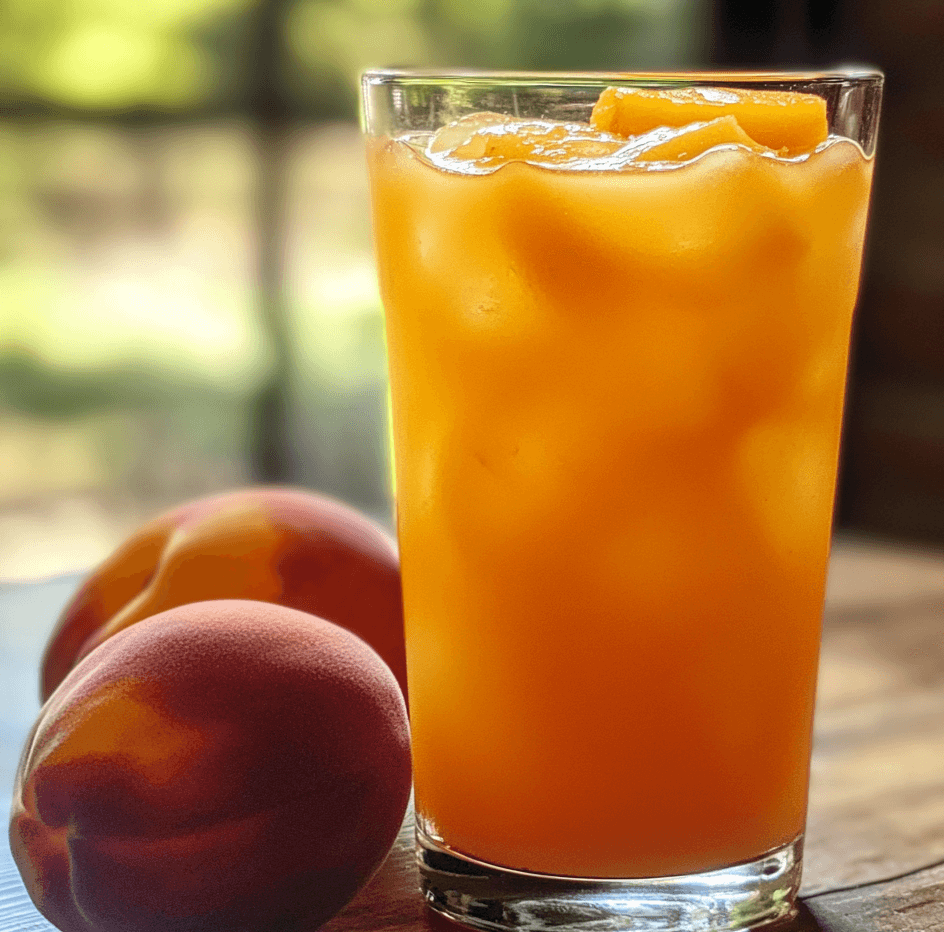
[875, 839]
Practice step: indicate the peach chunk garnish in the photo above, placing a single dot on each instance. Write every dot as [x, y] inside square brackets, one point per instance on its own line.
[781, 120]
[492, 139]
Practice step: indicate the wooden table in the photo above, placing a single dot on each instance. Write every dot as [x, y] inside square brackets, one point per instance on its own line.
[875, 837]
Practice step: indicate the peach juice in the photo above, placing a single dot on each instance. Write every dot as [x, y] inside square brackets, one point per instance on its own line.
[617, 352]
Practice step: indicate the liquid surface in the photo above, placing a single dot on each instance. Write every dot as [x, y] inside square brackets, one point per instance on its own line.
[632, 129]
[617, 398]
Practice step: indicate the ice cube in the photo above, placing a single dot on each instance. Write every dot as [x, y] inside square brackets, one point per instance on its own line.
[786, 472]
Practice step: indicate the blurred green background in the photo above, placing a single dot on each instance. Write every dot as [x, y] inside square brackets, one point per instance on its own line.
[187, 295]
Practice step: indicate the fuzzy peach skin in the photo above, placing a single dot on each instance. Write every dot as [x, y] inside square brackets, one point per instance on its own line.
[225, 765]
[287, 546]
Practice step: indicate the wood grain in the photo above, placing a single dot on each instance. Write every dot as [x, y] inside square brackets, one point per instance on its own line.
[914, 903]
[877, 782]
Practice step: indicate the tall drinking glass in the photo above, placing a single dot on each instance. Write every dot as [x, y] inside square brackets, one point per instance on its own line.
[618, 312]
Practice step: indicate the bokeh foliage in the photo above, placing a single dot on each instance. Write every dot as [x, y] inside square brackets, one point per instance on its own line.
[110, 54]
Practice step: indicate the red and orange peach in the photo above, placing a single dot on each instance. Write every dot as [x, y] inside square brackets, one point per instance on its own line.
[222, 765]
[285, 546]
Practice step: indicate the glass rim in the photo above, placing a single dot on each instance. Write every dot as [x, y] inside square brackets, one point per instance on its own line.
[694, 78]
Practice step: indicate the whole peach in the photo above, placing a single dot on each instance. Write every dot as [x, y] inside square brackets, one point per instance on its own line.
[223, 765]
[286, 546]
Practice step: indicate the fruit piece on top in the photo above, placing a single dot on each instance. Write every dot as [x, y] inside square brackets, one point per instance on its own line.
[490, 138]
[692, 140]
[779, 120]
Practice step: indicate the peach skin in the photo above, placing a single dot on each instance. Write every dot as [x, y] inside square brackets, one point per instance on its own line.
[222, 765]
[286, 546]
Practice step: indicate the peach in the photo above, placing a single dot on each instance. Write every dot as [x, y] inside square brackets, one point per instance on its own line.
[290, 547]
[779, 120]
[222, 765]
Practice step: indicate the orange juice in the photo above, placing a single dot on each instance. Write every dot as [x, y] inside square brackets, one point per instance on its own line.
[617, 383]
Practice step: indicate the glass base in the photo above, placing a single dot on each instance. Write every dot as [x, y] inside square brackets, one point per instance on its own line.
[484, 896]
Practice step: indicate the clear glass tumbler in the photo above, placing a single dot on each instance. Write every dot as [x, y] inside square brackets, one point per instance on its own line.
[618, 312]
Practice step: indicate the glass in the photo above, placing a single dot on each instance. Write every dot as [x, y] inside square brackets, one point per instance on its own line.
[617, 379]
